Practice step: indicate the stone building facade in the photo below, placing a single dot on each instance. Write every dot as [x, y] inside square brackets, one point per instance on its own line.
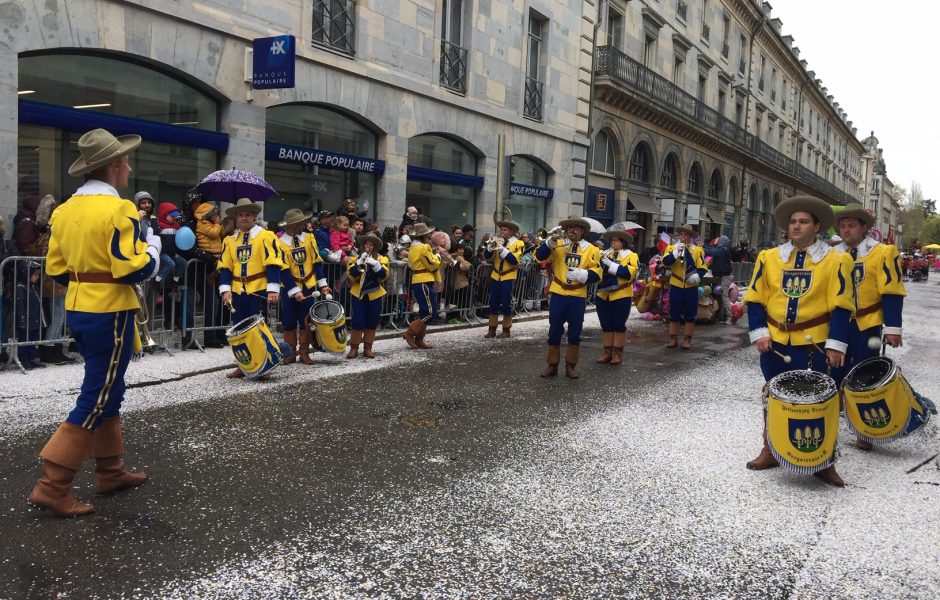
[877, 192]
[706, 113]
[395, 103]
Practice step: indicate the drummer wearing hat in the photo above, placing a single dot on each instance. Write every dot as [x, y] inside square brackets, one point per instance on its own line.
[800, 296]
[300, 253]
[687, 262]
[368, 273]
[575, 264]
[424, 263]
[505, 260]
[615, 294]
[250, 266]
[96, 249]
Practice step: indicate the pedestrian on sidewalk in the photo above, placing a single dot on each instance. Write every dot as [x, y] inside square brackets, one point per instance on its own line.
[30, 318]
[721, 268]
[95, 245]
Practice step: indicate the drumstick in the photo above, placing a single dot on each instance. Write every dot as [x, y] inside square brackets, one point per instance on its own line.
[786, 358]
[874, 343]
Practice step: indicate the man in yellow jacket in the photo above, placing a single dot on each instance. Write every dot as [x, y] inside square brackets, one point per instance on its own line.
[425, 263]
[505, 259]
[96, 249]
[615, 294]
[686, 260]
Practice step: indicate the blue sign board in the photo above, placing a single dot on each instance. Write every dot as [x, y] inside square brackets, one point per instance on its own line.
[531, 190]
[323, 158]
[273, 62]
[600, 204]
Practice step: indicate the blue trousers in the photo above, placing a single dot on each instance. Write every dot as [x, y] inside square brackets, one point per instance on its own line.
[613, 314]
[294, 313]
[561, 310]
[105, 341]
[248, 305]
[858, 349]
[365, 313]
[683, 304]
[426, 298]
[501, 297]
[772, 365]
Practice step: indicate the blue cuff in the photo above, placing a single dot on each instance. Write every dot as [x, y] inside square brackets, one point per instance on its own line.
[319, 271]
[669, 259]
[140, 274]
[225, 277]
[892, 304]
[702, 272]
[839, 325]
[542, 252]
[487, 254]
[272, 273]
[511, 259]
[756, 316]
[355, 271]
[287, 279]
[624, 273]
[592, 277]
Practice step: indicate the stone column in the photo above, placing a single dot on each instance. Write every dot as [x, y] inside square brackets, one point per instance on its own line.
[9, 132]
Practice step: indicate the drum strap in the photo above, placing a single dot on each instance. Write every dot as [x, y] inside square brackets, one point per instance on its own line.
[868, 310]
[799, 326]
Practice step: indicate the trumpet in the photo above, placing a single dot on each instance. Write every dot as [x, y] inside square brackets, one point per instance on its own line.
[446, 256]
[610, 254]
[141, 318]
[558, 237]
[493, 243]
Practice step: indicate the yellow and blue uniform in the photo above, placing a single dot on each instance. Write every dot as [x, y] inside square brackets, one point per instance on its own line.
[795, 293]
[568, 300]
[505, 269]
[683, 287]
[615, 291]
[301, 256]
[250, 267]
[95, 248]
[425, 265]
[367, 292]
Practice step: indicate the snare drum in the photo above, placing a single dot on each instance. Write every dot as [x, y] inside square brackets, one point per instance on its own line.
[803, 420]
[255, 349]
[880, 405]
[329, 323]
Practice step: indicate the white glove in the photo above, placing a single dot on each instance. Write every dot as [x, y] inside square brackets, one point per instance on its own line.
[334, 256]
[374, 264]
[503, 251]
[693, 278]
[577, 276]
[612, 268]
[155, 241]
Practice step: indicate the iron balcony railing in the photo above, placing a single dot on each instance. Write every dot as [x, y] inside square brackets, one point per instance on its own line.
[453, 67]
[533, 99]
[334, 25]
[706, 32]
[681, 9]
[639, 80]
[725, 49]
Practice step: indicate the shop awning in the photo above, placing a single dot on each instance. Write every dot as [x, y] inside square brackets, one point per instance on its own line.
[710, 216]
[643, 204]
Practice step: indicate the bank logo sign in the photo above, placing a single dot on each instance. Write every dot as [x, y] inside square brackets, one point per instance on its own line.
[322, 158]
[273, 62]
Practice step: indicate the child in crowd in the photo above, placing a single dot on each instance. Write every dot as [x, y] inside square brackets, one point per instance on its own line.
[30, 319]
[170, 262]
[340, 240]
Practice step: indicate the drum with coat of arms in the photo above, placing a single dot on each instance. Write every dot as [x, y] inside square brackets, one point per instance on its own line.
[803, 420]
[880, 405]
[255, 349]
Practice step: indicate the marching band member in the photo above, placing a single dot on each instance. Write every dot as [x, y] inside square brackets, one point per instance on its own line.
[615, 294]
[505, 260]
[368, 272]
[300, 253]
[95, 249]
[687, 262]
[800, 295]
[424, 263]
[250, 266]
[575, 263]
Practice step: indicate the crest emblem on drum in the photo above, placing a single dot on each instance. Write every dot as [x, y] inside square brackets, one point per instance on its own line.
[876, 414]
[299, 255]
[572, 260]
[243, 254]
[796, 282]
[242, 354]
[807, 435]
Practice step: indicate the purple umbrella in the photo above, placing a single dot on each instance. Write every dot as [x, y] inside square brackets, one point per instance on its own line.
[229, 186]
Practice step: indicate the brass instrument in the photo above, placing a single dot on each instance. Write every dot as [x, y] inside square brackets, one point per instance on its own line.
[541, 234]
[558, 237]
[610, 254]
[141, 318]
[494, 243]
[445, 255]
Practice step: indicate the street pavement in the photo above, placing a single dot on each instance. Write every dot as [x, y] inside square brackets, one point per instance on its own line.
[459, 473]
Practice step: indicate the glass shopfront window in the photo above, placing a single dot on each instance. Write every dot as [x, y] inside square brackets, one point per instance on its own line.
[529, 193]
[442, 181]
[303, 142]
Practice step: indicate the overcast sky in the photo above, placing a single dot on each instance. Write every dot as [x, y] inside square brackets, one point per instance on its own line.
[879, 61]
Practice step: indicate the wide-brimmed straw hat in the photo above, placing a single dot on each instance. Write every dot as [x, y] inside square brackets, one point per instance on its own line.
[510, 224]
[243, 204]
[576, 221]
[856, 211]
[619, 233]
[687, 228]
[294, 216]
[370, 237]
[98, 147]
[814, 206]
[420, 229]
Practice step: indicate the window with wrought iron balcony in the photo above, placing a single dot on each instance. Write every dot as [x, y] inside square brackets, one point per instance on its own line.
[706, 31]
[725, 49]
[453, 67]
[532, 103]
[334, 25]
[681, 9]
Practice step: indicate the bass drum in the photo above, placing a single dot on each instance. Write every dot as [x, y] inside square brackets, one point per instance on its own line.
[256, 351]
[803, 420]
[880, 405]
[329, 323]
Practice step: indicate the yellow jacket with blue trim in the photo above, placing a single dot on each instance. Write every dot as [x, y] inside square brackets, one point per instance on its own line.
[303, 260]
[790, 287]
[879, 290]
[96, 234]
[505, 268]
[584, 255]
[424, 263]
[618, 278]
[373, 279]
[681, 269]
[251, 262]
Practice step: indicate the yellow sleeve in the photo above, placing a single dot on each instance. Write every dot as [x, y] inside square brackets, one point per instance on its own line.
[225, 262]
[432, 260]
[841, 293]
[758, 291]
[889, 279]
[517, 249]
[633, 265]
[314, 248]
[384, 261]
[128, 252]
[272, 254]
[592, 262]
[699, 256]
[55, 262]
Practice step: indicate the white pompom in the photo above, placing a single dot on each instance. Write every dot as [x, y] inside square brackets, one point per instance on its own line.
[874, 342]
[315, 294]
[787, 359]
[329, 296]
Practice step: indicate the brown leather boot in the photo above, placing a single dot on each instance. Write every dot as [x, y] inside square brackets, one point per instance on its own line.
[507, 325]
[554, 355]
[236, 374]
[572, 354]
[63, 455]
[106, 448]
[491, 331]
[368, 339]
[673, 334]
[411, 333]
[620, 340]
[607, 340]
[419, 338]
[290, 338]
[687, 339]
[305, 346]
[354, 341]
[764, 460]
[830, 476]
[863, 445]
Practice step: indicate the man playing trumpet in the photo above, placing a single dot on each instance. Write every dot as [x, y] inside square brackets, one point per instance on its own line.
[425, 263]
[615, 294]
[505, 253]
[574, 263]
[687, 262]
[368, 272]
